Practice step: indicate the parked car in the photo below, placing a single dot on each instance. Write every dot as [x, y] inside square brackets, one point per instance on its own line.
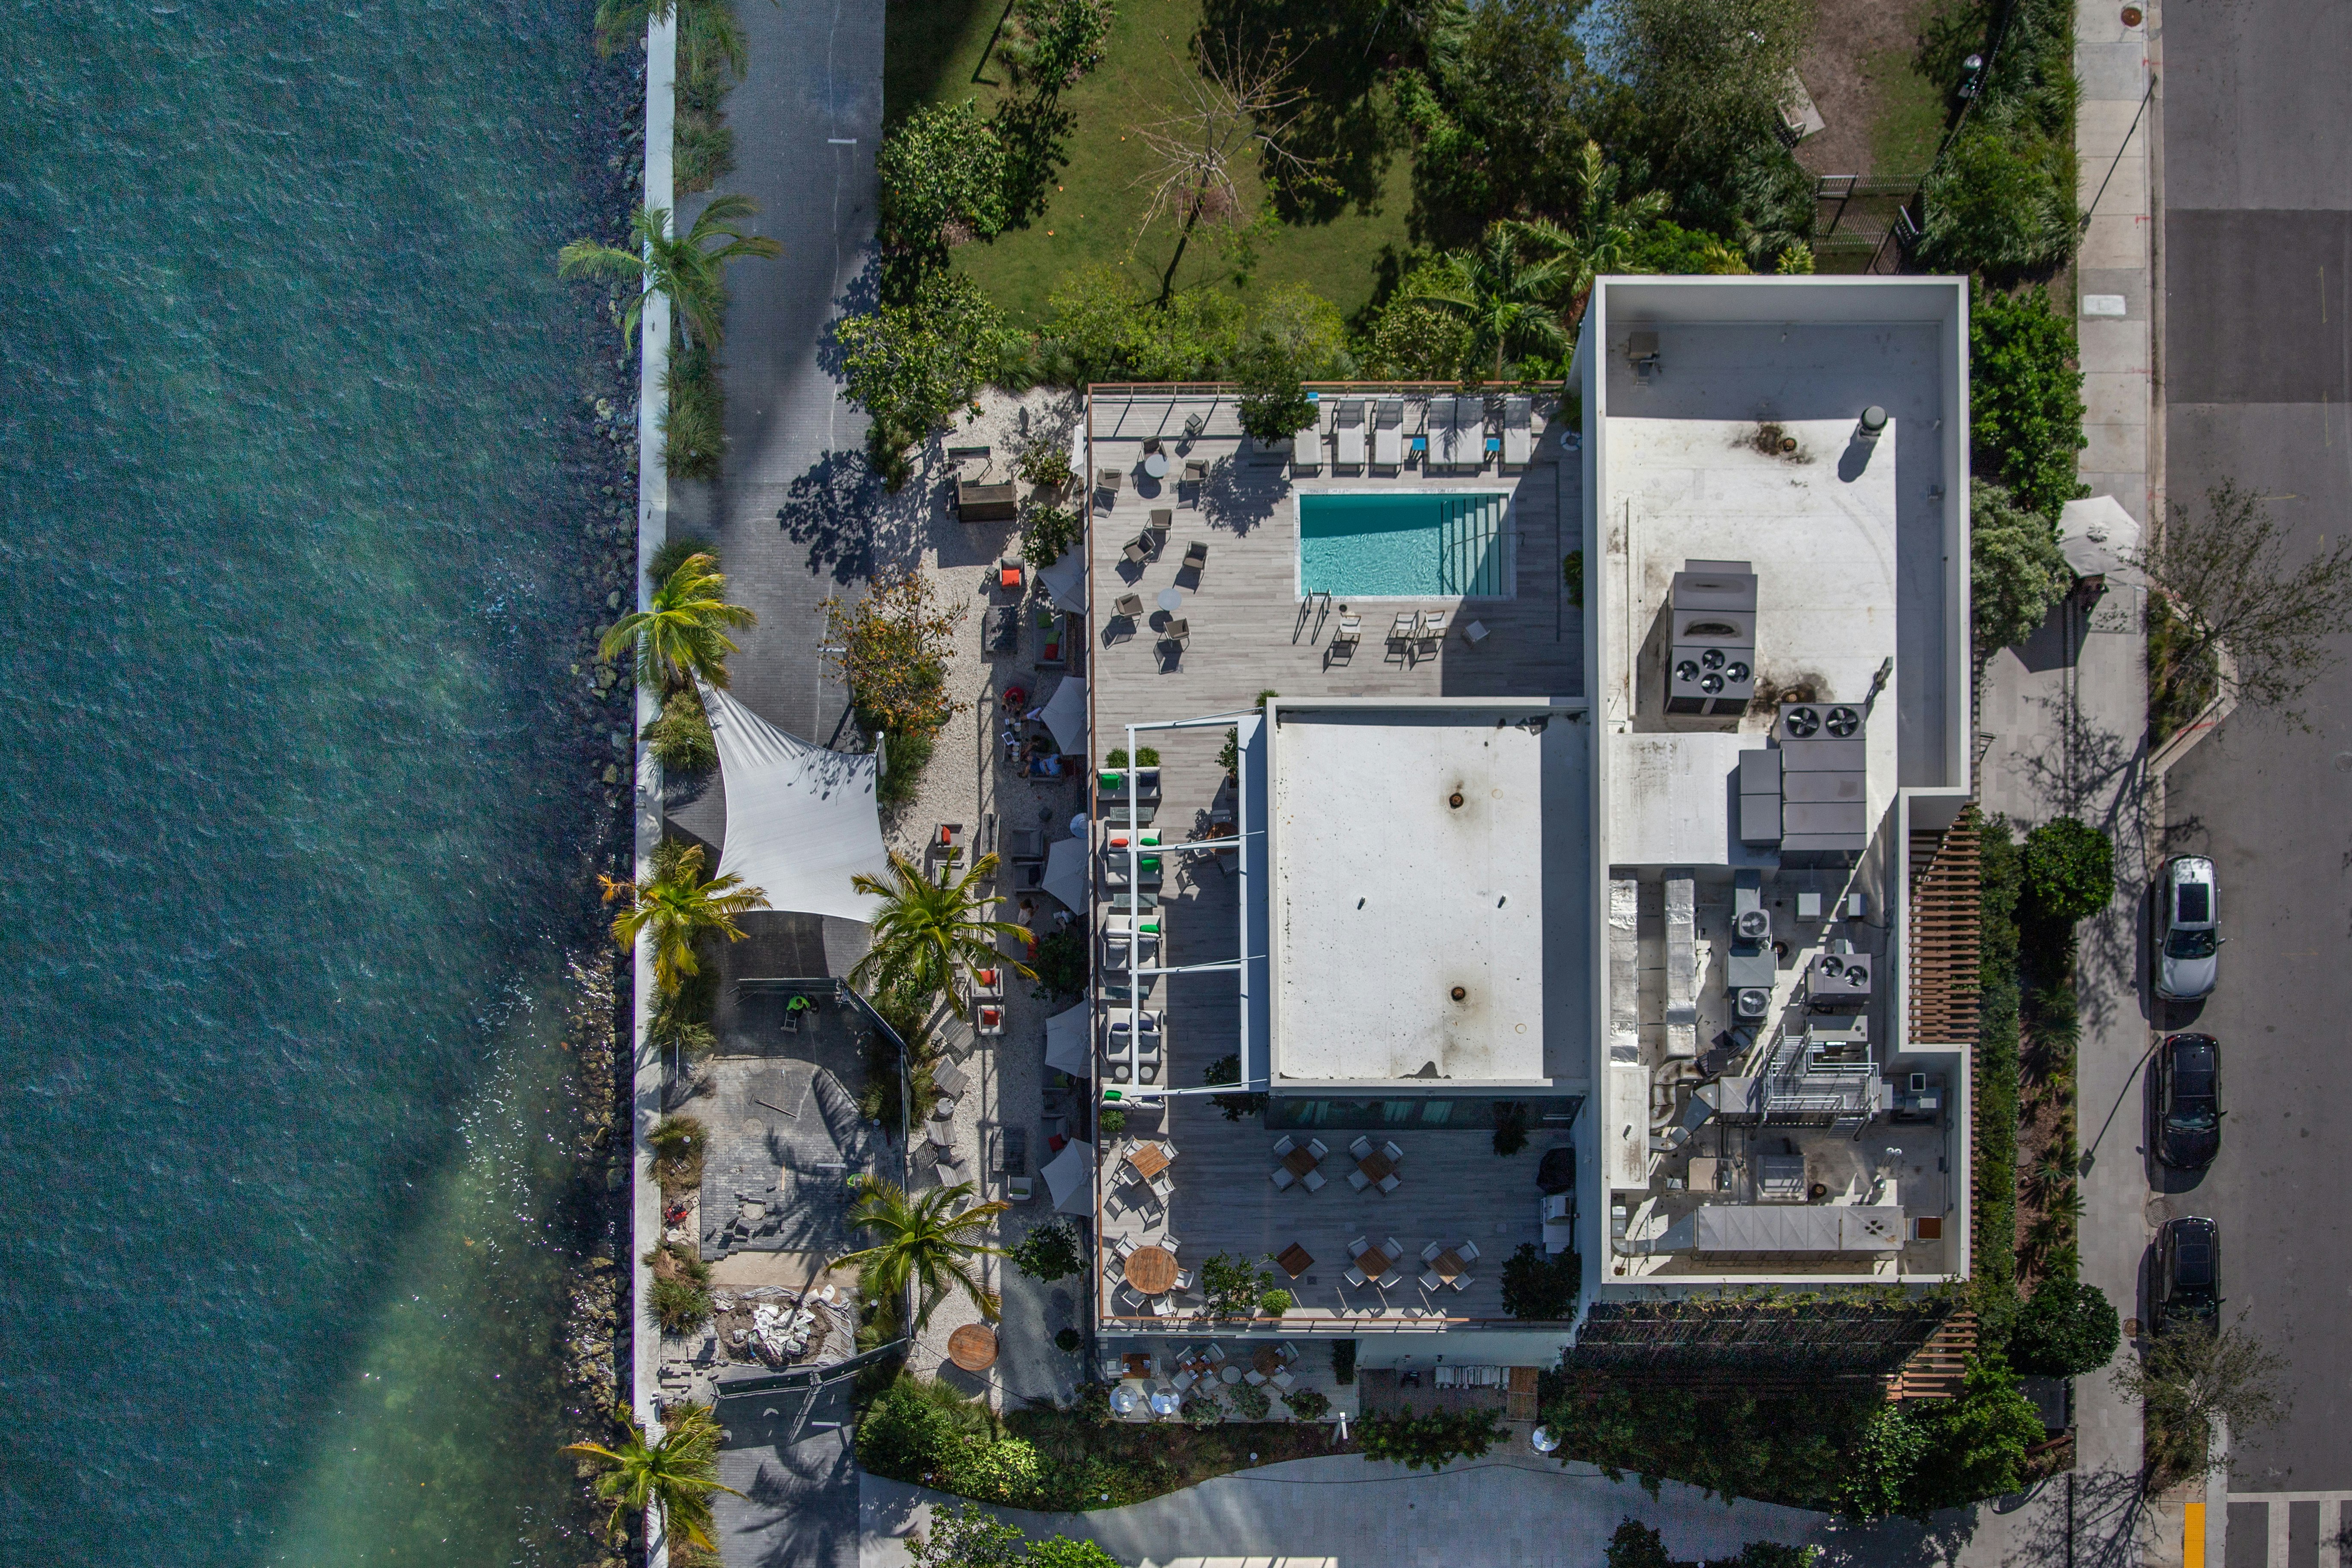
[2187, 1273]
[2189, 1101]
[2188, 928]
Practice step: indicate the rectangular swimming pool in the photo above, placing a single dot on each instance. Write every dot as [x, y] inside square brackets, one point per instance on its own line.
[1414, 544]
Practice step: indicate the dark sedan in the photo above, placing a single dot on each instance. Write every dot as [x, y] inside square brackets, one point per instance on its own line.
[2187, 1273]
[2189, 1101]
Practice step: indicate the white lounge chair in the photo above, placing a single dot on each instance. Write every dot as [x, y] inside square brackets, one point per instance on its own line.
[1441, 433]
[1518, 441]
[1348, 427]
[1388, 433]
[1306, 447]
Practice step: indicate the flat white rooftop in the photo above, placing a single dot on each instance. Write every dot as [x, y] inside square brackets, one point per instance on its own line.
[1387, 896]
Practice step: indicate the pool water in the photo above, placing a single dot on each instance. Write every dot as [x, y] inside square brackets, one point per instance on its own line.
[1424, 544]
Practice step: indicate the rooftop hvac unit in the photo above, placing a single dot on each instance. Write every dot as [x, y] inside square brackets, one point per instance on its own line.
[1839, 977]
[1824, 778]
[1711, 645]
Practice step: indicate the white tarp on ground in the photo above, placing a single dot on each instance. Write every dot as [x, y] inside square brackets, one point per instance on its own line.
[1065, 874]
[1066, 715]
[1070, 1177]
[1065, 581]
[1067, 1035]
[801, 820]
[2097, 536]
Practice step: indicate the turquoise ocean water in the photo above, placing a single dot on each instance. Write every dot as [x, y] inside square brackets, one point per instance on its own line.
[296, 834]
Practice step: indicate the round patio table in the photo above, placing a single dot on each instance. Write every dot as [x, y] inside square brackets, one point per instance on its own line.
[1156, 464]
[1230, 1373]
[1170, 599]
[973, 1347]
[1150, 1269]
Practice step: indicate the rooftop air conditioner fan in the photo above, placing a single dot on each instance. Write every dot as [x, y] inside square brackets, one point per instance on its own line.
[1857, 972]
[1710, 683]
[1843, 721]
[1752, 925]
[1712, 659]
[1833, 965]
[1735, 672]
[1754, 1002]
[1802, 721]
[1686, 670]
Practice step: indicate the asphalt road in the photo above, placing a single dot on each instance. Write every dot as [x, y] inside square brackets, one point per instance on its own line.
[2257, 370]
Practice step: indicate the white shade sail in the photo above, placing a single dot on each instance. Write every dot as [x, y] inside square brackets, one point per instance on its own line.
[1066, 715]
[801, 820]
[1069, 1176]
[1065, 873]
[1065, 581]
[1066, 1042]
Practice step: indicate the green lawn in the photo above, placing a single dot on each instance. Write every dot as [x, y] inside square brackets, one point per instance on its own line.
[935, 52]
[1909, 123]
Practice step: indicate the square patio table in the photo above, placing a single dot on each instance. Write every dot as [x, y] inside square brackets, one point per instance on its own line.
[1294, 1260]
[1372, 1262]
[1446, 1266]
[1299, 1160]
[1377, 1166]
[1139, 1364]
[1269, 1360]
[1148, 1159]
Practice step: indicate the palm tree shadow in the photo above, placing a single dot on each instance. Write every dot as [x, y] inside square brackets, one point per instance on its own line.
[829, 509]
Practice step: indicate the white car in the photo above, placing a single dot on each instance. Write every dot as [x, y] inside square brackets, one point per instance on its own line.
[2188, 928]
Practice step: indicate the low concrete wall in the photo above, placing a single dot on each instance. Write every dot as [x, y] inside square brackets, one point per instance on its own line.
[653, 529]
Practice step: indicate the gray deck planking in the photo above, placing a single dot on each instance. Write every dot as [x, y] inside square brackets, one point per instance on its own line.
[1247, 635]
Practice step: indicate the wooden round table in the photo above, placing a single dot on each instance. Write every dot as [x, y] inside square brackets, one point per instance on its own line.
[1150, 1269]
[973, 1347]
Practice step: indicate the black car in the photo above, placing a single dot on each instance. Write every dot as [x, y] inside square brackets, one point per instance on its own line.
[2189, 1101]
[2187, 1273]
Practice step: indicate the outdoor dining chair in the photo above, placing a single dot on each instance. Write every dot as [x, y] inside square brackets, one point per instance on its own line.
[1361, 1147]
[1359, 1247]
[1161, 1307]
[1196, 555]
[1462, 1281]
[1395, 1154]
[1128, 604]
[1468, 1252]
[1429, 1254]
[1281, 1177]
[1430, 1281]
[1108, 479]
[1312, 1181]
[1355, 1276]
[1123, 1246]
[1283, 1148]
[1178, 631]
[1315, 1147]
[1183, 1280]
[1358, 1181]
[1388, 1184]
[1138, 551]
[1283, 1381]
[1392, 1247]
[1390, 1280]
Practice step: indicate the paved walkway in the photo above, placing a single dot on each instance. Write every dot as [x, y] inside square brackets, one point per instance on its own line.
[1507, 1513]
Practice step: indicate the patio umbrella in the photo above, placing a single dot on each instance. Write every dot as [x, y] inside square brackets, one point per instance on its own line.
[1066, 716]
[1065, 582]
[1069, 1177]
[1066, 1042]
[1065, 873]
[2096, 535]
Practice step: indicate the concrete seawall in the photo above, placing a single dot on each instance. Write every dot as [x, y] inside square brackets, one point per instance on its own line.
[653, 529]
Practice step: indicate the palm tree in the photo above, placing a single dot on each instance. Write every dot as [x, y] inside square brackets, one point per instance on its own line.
[926, 929]
[1504, 291]
[923, 1243]
[678, 635]
[679, 1471]
[692, 271]
[675, 907]
[1606, 228]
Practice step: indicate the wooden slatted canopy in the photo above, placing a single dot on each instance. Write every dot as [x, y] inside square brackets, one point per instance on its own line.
[1946, 926]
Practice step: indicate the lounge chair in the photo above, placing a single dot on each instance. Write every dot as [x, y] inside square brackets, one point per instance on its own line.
[1351, 629]
[1356, 1276]
[1128, 604]
[1441, 433]
[1406, 624]
[1519, 442]
[1312, 1181]
[1388, 433]
[1281, 1178]
[1216, 1353]
[1306, 447]
[1433, 629]
[1431, 1281]
[1348, 427]
[1196, 556]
